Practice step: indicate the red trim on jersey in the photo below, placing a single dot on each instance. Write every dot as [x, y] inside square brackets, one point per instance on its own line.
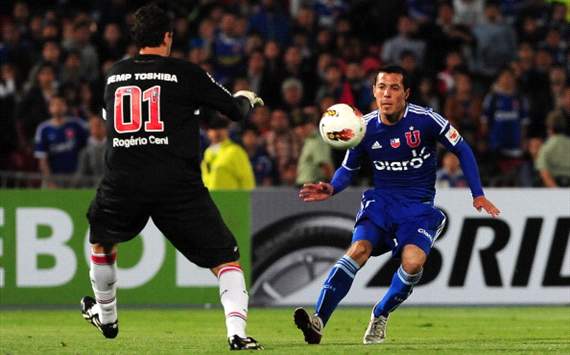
[237, 314]
[229, 268]
[104, 259]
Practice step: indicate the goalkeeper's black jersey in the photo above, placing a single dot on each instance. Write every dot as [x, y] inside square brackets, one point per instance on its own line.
[151, 109]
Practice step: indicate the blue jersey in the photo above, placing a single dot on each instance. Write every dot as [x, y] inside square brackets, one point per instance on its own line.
[505, 115]
[61, 144]
[403, 155]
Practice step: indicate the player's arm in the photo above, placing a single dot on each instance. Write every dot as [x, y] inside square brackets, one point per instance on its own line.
[341, 179]
[453, 141]
[208, 92]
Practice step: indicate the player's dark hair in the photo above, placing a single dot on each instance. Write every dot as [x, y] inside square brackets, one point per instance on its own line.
[150, 25]
[395, 69]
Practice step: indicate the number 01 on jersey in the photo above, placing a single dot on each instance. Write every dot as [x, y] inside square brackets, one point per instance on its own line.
[151, 96]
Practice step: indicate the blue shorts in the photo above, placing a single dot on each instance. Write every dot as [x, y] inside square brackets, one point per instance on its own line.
[390, 225]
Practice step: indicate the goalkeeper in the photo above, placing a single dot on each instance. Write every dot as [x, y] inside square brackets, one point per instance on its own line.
[153, 170]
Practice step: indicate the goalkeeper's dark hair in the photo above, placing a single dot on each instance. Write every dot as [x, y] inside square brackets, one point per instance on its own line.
[394, 69]
[149, 26]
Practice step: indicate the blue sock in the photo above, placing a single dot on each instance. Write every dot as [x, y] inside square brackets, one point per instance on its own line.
[401, 287]
[336, 286]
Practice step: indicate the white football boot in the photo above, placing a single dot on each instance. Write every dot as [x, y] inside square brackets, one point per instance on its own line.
[376, 331]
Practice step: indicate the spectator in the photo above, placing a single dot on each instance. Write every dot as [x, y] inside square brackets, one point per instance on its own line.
[260, 161]
[558, 79]
[206, 37]
[324, 41]
[468, 12]
[229, 50]
[33, 108]
[552, 162]
[91, 166]
[14, 49]
[421, 10]
[8, 142]
[71, 73]
[463, 108]
[564, 108]
[58, 143]
[534, 84]
[409, 62]
[450, 174]
[271, 22]
[305, 20]
[275, 73]
[292, 97]
[496, 42]
[295, 67]
[543, 60]
[113, 45]
[225, 165]
[504, 121]
[51, 53]
[529, 31]
[360, 89]
[393, 48]
[554, 44]
[446, 77]
[253, 42]
[50, 31]
[181, 34]
[334, 85]
[427, 95]
[282, 144]
[255, 73]
[559, 17]
[260, 119]
[444, 36]
[80, 41]
[327, 11]
[315, 162]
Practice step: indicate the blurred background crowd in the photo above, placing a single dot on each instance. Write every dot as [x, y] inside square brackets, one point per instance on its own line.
[497, 70]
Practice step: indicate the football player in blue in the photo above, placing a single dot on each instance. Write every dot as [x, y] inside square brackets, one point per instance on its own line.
[398, 213]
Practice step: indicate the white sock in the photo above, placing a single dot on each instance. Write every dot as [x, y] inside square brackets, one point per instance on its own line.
[103, 274]
[234, 298]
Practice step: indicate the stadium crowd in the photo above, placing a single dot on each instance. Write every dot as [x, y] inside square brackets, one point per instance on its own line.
[497, 70]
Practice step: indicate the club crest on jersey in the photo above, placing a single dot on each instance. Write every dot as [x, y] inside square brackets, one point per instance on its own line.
[413, 138]
[395, 142]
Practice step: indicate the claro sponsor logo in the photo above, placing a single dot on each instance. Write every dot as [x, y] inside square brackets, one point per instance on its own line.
[415, 163]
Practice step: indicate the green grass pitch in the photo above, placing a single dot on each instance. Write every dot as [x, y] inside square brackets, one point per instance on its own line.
[449, 330]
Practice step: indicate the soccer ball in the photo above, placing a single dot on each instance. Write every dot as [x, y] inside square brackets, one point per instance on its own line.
[342, 126]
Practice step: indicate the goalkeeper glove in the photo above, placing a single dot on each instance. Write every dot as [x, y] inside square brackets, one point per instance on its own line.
[253, 99]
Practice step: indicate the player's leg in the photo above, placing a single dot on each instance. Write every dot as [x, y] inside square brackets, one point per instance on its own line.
[405, 278]
[112, 220]
[341, 276]
[417, 239]
[403, 282]
[101, 311]
[193, 224]
[338, 282]
[234, 298]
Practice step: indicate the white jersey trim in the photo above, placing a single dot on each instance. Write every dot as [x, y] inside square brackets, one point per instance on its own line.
[442, 122]
[345, 161]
